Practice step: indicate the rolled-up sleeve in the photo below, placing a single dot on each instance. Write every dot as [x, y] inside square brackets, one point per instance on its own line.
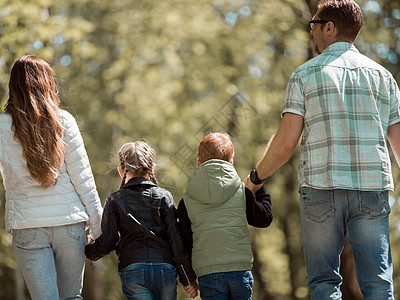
[294, 96]
[394, 103]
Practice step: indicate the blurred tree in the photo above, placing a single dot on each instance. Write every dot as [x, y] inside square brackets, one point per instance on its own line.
[170, 72]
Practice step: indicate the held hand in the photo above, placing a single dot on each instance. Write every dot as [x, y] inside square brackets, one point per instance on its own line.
[251, 186]
[196, 289]
[90, 240]
[192, 290]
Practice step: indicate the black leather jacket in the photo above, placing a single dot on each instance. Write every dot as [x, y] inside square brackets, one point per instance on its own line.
[139, 222]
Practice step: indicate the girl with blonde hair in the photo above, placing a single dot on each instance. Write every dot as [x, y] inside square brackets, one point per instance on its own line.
[50, 189]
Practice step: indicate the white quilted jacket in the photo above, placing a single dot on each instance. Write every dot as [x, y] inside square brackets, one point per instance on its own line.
[72, 200]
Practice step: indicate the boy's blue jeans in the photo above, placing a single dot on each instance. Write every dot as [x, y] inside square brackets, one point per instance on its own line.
[227, 285]
[51, 260]
[149, 281]
[330, 216]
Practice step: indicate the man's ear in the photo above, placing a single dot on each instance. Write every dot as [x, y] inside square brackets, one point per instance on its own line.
[198, 161]
[120, 172]
[330, 28]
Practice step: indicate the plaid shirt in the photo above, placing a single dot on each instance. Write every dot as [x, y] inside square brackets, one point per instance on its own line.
[347, 101]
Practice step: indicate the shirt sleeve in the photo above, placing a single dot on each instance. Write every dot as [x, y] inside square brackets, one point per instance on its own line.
[183, 261]
[258, 209]
[109, 238]
[185, 226]
[294, 96]
[394, 103]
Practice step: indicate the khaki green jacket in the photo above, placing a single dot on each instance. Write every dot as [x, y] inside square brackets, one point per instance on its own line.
[216, 203]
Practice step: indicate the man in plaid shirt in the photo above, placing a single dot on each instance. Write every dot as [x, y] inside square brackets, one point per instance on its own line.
[348, 107]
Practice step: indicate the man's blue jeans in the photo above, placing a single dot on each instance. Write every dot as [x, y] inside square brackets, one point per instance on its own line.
[149, 281]
[228, 285]
[330, 216]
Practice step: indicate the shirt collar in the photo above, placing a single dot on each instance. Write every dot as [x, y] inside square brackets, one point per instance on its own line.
[341, 47]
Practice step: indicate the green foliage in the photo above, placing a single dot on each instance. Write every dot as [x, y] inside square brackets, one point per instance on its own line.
[169, 72]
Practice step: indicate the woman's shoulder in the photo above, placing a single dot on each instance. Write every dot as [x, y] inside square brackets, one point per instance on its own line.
[66, 117]
[5, 123]
[68, 123]
[5, 118]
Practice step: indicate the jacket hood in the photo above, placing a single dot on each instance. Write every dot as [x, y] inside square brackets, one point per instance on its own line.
[213, 182]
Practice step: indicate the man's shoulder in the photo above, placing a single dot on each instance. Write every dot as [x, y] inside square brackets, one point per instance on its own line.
[347, 60]
[318, 61]
[312, 63]
[366, 62]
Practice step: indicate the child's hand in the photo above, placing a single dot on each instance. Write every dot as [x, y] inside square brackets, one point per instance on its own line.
[192, 289]
[90, 240]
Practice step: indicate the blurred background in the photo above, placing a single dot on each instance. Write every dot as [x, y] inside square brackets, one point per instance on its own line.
[171, 71]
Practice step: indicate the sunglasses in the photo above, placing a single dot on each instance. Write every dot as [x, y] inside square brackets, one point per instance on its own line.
[313, 22]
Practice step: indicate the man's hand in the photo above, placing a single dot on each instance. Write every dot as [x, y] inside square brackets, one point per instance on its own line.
[251, 186]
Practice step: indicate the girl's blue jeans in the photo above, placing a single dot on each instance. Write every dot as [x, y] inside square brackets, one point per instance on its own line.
[149, 281]
[362, 217]
[51, 260]
[235, 285]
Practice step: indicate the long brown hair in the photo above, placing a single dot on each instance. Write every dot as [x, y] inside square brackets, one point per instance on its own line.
[138, 158]
[33, 104]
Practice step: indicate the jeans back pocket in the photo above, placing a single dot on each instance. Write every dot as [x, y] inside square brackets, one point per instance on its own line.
[318, 205]
[23, 237]
[375, 204]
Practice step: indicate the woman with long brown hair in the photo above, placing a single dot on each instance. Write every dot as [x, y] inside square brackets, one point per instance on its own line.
[50, 190]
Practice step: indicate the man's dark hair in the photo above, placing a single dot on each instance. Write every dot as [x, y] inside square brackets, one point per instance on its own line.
[345, 14]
